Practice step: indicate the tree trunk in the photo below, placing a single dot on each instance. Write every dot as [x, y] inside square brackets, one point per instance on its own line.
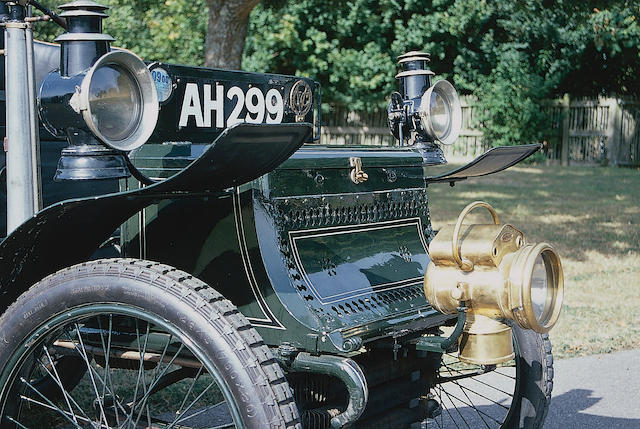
[226, 32]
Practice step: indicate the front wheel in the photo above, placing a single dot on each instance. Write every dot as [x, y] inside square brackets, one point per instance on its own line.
[155, 348]
[515, 395]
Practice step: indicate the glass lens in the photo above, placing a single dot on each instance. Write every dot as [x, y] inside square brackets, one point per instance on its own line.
[115, 101]
[440, 115]
[539, 289]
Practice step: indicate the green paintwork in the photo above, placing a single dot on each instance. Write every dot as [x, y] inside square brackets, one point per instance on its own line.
[311, 258]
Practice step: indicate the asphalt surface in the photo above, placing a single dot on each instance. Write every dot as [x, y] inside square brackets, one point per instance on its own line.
[601, 391]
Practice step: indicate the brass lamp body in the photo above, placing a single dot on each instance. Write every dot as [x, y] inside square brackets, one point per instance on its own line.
[488, 267]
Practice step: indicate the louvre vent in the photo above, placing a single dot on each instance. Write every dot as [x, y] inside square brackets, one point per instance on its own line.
[328, 215]
[372, 302]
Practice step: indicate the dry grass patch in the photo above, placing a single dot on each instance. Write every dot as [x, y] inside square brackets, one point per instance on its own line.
[592, 217]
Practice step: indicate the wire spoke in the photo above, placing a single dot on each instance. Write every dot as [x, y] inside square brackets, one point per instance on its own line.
[106, 349]
[51, 404]
[155, 379]
[12, 420]
[470, 405]
[454, 406]
[504, 375]
[193, 383]
[103, 416]
[481, 395]
[448, 412]
[166, 368]
[42, 404]
[56, 379]
[68, 398]
[107, 377]
[230, 425]
[178, 419]
[94, 373]
[194, 414]
[146, 393]
[470, 401]
[135, 356]
[133, 402]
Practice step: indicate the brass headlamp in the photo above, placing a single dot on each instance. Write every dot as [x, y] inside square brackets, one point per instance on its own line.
[498, 277]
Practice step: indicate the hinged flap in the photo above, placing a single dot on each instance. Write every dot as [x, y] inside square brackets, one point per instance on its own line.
[492, 161]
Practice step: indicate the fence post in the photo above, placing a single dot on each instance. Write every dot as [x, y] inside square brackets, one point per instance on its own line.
[564, 154]
[614, 137]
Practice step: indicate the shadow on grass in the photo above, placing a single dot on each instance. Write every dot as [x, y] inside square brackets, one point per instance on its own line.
[576, 208]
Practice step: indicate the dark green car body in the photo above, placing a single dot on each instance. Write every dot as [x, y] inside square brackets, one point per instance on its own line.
[312, 259]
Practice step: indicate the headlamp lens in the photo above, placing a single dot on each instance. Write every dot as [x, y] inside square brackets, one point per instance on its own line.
[440, 115]
[539, 289]
[115, 101]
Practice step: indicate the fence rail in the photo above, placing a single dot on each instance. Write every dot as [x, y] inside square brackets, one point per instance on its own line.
[582, 131]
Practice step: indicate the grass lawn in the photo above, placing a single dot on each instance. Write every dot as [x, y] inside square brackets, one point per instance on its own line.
[592, 216]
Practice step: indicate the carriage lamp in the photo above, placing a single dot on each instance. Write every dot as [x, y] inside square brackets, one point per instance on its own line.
[103, 102]
[115, 99]
[423, 113]
[491, 271]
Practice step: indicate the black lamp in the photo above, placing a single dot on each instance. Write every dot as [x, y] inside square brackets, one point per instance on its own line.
[103, 102]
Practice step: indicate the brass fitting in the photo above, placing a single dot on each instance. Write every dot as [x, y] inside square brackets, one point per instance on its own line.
[499, 277]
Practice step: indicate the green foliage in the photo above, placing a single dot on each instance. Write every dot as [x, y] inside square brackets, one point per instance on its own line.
[509, 100]
[610, 56]
[166, 30]
[509, 54]
[325, 40]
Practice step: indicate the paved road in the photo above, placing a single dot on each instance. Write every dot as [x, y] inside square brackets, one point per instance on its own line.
[601, 391]
[593, 392]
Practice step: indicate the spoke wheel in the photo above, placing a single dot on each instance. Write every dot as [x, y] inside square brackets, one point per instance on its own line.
[512, 395]
[152, 347]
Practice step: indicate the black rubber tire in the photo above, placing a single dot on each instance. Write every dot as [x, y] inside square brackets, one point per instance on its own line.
[257, 383]
[533, 396]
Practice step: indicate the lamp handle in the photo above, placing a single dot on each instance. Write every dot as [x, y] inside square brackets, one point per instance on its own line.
[463, 263]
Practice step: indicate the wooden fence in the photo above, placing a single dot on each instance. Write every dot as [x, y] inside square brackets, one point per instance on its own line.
[583, 131]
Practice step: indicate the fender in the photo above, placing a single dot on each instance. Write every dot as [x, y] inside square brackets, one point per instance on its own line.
[492, 161]
[240, 154]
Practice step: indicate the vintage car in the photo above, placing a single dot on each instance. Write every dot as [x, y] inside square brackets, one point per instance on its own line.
[204, 262]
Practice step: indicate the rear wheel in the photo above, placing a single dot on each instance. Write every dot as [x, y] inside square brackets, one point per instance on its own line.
[154, 348]
[513, 395]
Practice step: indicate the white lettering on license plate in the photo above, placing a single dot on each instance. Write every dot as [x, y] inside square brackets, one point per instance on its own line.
[208, 111]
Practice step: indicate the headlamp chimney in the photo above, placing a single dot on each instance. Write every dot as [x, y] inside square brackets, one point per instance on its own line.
[415, 77]
[84, 42]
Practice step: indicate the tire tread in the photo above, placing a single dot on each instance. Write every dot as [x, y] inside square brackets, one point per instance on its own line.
[262, 367]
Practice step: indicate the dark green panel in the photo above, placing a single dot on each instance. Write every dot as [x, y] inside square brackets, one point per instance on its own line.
[346, 262]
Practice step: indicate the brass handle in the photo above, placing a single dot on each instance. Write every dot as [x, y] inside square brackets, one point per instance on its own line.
[357, 174]
[463, 263]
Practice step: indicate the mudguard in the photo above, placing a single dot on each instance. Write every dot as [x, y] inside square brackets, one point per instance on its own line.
[68, 232]
[492, 161]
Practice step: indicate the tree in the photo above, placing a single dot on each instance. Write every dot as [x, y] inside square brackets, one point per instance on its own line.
[162, 30]
[509, 54]
[197, 32]
[226, 32]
